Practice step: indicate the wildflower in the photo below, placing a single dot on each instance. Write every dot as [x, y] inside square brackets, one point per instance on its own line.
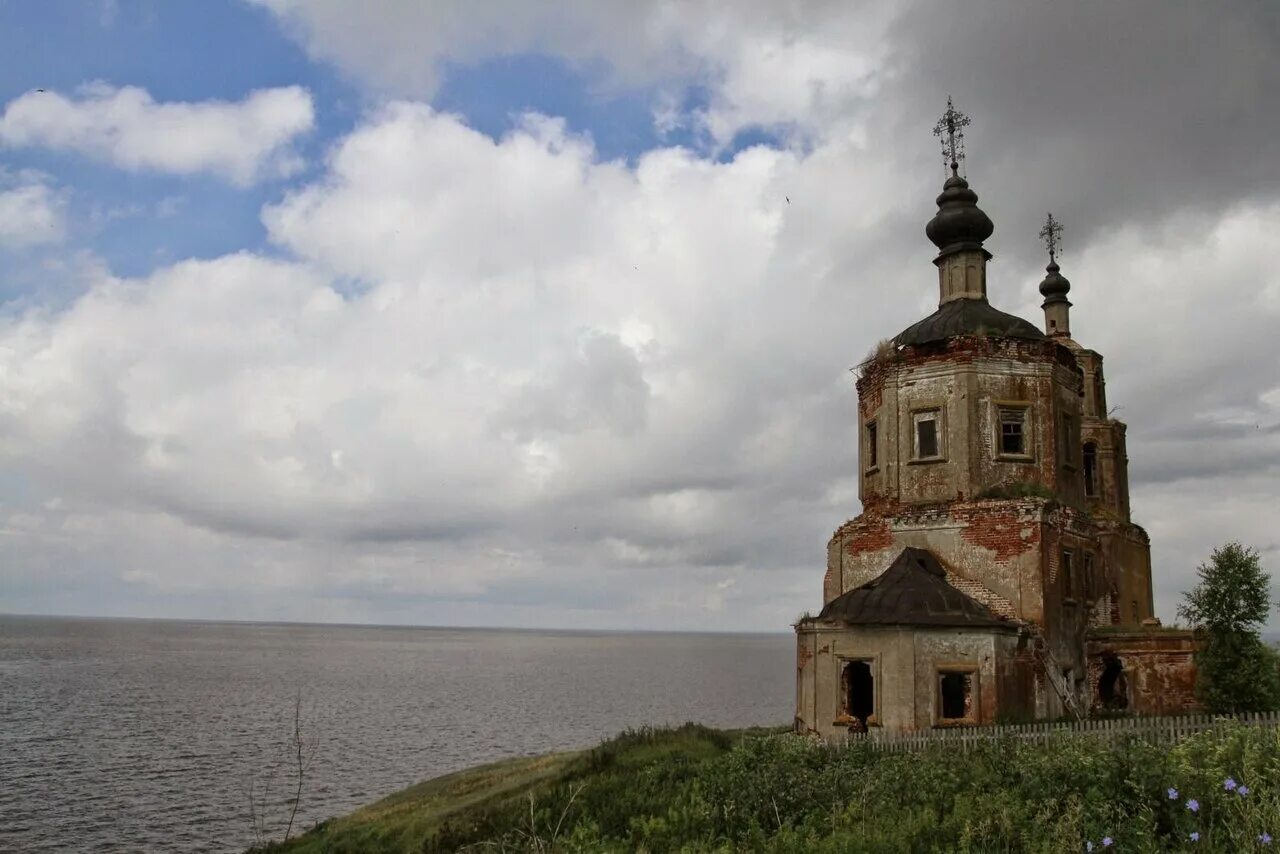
[1088, 846]
[1229, 784]
[1106, 841]
[1242, 791]
[1173, 793]
[1195, 836]
[1264, 838]
[1193, 805]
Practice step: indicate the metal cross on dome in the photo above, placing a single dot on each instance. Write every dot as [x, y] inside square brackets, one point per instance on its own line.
[952, 124]
[1051, 234]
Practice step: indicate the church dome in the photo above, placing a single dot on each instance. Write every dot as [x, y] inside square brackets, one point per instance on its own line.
[1055, 285]
[959, 222]
[967, 317]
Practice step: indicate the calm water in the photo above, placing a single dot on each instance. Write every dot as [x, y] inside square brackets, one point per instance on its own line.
[123, 735]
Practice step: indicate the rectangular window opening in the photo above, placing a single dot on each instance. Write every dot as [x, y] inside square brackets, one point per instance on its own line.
[927, 444]
[858, 692]
[1013, 430]
[872, 456]
[1068, 589]
[955, 696]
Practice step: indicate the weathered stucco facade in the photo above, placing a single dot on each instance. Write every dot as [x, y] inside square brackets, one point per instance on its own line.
[986, 445]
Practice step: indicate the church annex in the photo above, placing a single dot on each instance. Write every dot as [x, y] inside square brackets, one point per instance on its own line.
[994, 574]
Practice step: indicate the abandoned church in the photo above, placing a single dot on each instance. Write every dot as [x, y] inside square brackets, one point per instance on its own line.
[994, 574]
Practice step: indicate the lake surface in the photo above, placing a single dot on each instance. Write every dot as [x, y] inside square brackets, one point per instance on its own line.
[133, 735]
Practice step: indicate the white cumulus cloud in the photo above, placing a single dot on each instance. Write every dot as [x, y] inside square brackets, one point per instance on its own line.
[31, 211]
[242, 141]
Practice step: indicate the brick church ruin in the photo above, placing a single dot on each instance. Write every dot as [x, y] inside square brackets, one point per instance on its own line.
[994, 574]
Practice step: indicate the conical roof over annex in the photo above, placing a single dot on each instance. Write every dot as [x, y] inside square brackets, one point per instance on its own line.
[913, 591]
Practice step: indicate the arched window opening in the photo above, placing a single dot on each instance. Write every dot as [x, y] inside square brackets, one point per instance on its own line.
[1090, 469]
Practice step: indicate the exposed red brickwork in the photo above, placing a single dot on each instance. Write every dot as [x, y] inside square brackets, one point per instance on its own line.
[1007, 534]
[870, 393]
[867, 534]
[964, 348]
[1158, 666]
[979, 593]
[803, 656]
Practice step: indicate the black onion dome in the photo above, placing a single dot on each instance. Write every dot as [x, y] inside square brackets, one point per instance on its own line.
[1055, 285]
[967, 317]
[959, 222]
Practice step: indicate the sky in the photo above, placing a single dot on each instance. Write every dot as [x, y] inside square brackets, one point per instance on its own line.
[543, 314]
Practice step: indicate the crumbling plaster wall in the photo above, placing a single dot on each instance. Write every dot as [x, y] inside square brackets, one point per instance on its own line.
[967, 381]
[1006, 553]
[905, 664]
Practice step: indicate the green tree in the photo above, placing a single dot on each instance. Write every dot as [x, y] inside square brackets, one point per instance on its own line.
[1235, 670]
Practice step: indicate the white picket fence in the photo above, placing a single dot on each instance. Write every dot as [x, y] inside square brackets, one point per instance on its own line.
[1155, 730]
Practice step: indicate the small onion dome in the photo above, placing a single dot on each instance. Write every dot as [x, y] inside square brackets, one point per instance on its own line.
[1055, 285]
[959, 222]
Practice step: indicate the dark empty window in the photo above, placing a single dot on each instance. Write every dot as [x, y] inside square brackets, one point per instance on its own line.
[926, 435]
[954, 696]
[1090, 469]
[872, 459]
[860, 685]
[1087, 571]
[1067, 589]
[1013, 424]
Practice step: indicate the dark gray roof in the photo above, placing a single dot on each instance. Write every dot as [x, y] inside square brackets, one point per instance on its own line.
[912, 591]
[967, 317]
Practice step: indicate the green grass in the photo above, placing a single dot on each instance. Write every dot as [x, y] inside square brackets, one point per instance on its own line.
[697, 789]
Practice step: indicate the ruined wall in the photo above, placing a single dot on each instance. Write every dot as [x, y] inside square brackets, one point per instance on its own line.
[827, 648]
[1005, 553]
[1017, 681]
[966, 381]
[905, 664]
[1158, 668]
[1111, 478]
[938, 650]
[1128, 556]
[997, 543]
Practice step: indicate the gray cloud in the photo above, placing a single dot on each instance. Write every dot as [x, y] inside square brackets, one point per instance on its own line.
[635, 408]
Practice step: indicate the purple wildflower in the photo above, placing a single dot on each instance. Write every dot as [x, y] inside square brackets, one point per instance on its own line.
[1173, 793]
[1106, 841]
[1264, 838]
[1242, 791]
[1195, 836]
[1193, 805]
[1229, 784]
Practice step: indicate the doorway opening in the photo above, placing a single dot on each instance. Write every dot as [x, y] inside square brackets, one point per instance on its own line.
[1113, 685]
[955, 697]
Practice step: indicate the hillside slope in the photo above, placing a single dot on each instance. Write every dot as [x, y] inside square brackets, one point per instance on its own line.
[697, 789]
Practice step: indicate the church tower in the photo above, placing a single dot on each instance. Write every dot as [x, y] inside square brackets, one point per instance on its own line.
[1126, 597]
[995, 529]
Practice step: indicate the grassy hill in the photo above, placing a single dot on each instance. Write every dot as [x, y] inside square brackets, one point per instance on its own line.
[697, 789]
